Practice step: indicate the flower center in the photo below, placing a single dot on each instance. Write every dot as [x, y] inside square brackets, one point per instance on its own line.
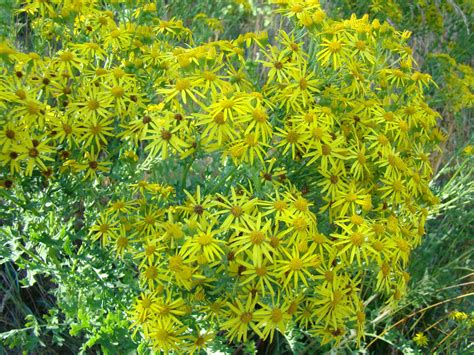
[251, 140]
[146, 303]
[198, 209]
[200, 341]
[175, 262]
[209, 76]
[356, 219]
[326, 149]
[33, 152]
[274, 241]
[122, 242]
[151, 272]
[161, 335]
[277, 315]
[166, 135]
[182, 84]
[297, 8]
[295, 264]
[149, 219]
[335, 47]
[292, 136]
[236, 211]
[261, 271]
[117, 91]
[318, 133]
[115, 34]
[279, 205]
[301, 204]
[204, 239]
[104, 228]
[149, 250]
[397, 186]
[303, 84]
[360, 45]
[93, 104]
[382, 139]
[351, 197]
[66, 56]
[32, 108]
[227, 104]
[257, 237]
[67, 128]
[378, 245]
[357, 239]
[300, 224]
[259, 115]
[219, 118]
[246, 317]
[10, 134]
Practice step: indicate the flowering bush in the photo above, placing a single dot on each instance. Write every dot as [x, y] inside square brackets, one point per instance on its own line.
[276, 183]
[441, 36]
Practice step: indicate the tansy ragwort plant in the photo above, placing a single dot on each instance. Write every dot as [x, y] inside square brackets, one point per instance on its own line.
[318, 190]
[441, 45]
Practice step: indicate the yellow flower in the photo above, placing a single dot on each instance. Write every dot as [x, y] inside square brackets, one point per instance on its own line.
[197, 207]
[104, 229]
[420, 339]
[10, 135]
[459, 316]
[35, 152]
[92, 165]
[291, 139]
[253, 235]
[67, 129]
[273, 318]
[237, 208]
[334, 51]
[165, 334]
[241, 318]
[183, 88]
[203, 243]
[67, 61]
[352, 243]
[164, 138]
[333, 302]
[260, 275]
[295, 267]
[199, 341]
[468, 150]
[93, 104]
[144, 308]
[279, 65]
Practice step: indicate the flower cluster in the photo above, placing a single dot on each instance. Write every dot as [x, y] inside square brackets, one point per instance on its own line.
[321, 142]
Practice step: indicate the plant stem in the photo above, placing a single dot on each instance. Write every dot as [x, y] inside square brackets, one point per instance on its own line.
[223, 180]
[416, 312]
[185, 173]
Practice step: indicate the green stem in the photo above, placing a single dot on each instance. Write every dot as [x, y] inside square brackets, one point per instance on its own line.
[33, 256]
[223, 180]
[186, 170]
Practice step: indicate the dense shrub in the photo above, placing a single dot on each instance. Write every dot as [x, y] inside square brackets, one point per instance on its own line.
[247, 186]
